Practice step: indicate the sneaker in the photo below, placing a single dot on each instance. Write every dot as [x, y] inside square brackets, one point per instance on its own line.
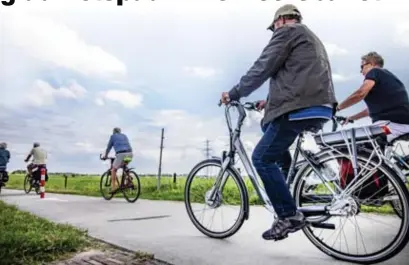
[281, 227]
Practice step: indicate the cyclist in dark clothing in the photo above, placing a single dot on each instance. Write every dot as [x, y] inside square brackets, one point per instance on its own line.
[384, 94]
[4, 159]
[301, 97]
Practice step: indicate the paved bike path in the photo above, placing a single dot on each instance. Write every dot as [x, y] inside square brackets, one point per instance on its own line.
[163, 228]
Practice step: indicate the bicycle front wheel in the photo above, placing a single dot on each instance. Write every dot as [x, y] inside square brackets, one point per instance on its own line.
[199, 185]
[105, 185]
[27, 184]
[367, 231]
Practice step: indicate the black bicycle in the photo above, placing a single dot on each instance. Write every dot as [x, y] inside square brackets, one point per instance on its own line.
[30, 183]
[127, 183]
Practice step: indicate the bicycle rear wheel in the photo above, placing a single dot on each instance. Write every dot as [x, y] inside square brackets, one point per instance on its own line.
[131, 183]
[379, 221]
[197, 190]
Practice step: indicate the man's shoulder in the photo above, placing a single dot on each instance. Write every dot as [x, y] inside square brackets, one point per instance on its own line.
[381, 73]
[296, 28]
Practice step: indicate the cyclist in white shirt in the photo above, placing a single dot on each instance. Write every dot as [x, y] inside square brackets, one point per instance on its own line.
[39, 157]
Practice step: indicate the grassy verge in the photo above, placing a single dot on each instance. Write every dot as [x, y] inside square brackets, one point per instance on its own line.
[28, 239]
[89, 186]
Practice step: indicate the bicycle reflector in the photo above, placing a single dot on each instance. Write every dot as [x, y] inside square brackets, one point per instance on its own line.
[386, 130]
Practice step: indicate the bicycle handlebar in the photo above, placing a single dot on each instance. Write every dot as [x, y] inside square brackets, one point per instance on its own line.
[254, 106]
[341, 119]
[241, 107]
[103, 159]
[338, 119]
[247, 105]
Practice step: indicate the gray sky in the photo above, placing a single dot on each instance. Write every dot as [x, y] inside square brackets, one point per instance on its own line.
[73, 70]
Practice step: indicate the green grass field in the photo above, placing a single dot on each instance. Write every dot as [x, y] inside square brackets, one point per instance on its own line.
[89, 185]
[28, 239]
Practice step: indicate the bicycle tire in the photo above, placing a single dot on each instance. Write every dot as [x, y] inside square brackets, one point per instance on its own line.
[26, 179]
[243, 194]
[388, 252]
[108, 175]
[396, 209]
[139, 188]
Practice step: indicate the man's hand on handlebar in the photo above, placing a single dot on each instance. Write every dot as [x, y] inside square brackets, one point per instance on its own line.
[344, 120]
[260, 105]
[225, 98]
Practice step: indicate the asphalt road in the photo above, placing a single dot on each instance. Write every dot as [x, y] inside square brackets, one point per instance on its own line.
[163, 228]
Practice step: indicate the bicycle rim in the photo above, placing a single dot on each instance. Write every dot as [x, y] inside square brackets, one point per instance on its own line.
[27, 184]
[397, 243]
[105, 182]
[204, 185]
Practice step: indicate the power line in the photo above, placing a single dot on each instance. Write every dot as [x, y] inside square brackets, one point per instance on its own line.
[207, 150]
[160, 158]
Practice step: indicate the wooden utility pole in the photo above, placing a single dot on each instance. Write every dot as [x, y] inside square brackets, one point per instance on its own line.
[160, 158]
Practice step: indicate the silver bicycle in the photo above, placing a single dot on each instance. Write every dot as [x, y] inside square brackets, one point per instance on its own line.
[321, 209]
[398, 161]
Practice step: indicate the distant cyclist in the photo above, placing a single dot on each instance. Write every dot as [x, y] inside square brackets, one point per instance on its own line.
[123, 149]
[4, 159]
[301, 97]
[384, 94]
[39, 160]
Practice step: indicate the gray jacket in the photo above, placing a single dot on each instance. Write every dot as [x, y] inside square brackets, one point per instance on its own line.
[300, 75]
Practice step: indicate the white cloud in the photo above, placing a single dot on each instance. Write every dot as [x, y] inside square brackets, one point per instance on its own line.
[340, 78]
[123, 97]
[52, 42]
[185, 138]
[42, 93]
[87, 147]
[203, 72]
[99, 102]
[401, 34]
[334, 49]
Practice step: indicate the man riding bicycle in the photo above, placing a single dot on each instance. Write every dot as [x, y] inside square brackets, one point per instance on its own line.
[4, 159]
[123, 150]
[39, 160]
[384, 94]
[301, 97]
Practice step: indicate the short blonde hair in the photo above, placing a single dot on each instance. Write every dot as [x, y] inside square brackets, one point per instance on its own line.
[373, 58]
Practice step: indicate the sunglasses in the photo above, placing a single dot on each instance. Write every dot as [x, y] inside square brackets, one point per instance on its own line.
[362, 66]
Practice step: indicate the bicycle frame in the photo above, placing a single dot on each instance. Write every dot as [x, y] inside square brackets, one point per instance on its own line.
[236, 146]
[124, 168]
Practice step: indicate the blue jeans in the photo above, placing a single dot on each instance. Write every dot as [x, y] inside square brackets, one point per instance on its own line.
[272, 151]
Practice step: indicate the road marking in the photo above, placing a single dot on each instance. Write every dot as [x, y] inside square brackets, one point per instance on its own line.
[53, 199]
[140, 218]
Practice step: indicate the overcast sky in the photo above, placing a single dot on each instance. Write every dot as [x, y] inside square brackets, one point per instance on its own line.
[73, 70]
